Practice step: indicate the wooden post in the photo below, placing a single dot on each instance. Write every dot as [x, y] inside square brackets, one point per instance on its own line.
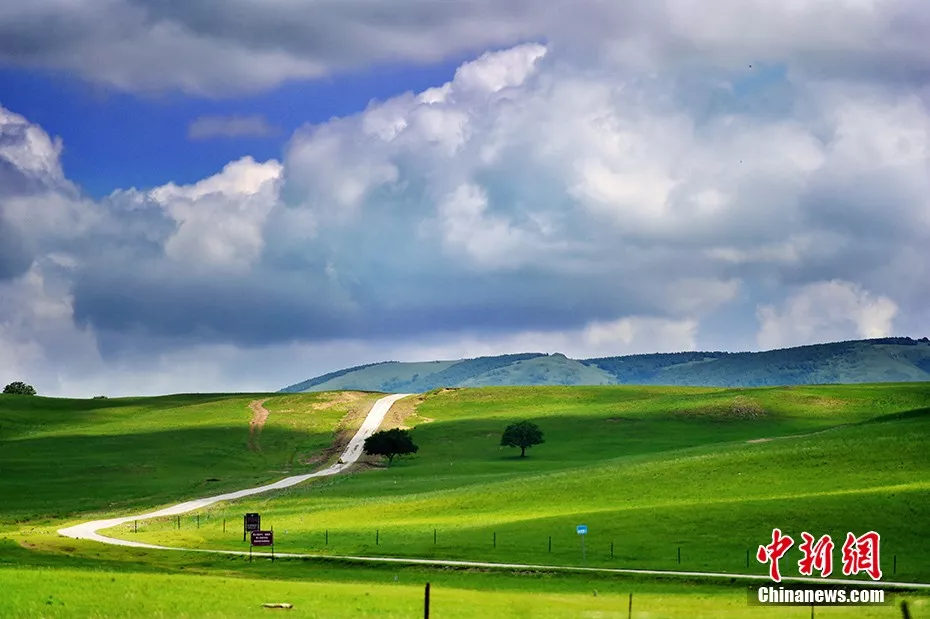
[377, 537]
[611, 550]
[550, 543]
[179, 523]
[904, 610]
[679, 555]
[198, 521]
[629, 613]
[495, 539]
[426, 602]
[327, 537]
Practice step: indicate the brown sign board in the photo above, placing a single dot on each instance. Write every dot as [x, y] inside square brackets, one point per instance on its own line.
[263, 538]
[253, 522]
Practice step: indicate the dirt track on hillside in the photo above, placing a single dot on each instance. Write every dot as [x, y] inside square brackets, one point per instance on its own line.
[259, 417]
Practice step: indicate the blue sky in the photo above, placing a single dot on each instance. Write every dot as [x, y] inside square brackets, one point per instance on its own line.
[119, 140]
[203, 196]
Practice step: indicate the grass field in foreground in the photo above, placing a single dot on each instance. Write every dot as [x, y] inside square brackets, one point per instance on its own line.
[132, 583]
[649, 470]
[59, 457]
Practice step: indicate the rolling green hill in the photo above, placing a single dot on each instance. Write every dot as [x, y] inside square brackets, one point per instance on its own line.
[59, 456]
[862, 361]
[649, 469]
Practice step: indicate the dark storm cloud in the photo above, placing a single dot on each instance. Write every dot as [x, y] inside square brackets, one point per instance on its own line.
[228, 46]
[268, 308]
[15, 253]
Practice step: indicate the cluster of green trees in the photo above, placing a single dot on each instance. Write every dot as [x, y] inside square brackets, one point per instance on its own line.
[398, 442]
[19, 388]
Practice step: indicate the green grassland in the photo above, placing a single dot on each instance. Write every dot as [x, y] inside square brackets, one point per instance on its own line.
[892, 359]
[648, 469]
[59, 457]
[103, 581]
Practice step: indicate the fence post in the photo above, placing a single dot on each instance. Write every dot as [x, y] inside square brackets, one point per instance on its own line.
[135, 526]
[426, 602]
[327, 537]
[550, 543]
[377, 537]
[629, 613]
[679, 555]
[198, 521]
[495, 539]
[904, 610]
[179, 523]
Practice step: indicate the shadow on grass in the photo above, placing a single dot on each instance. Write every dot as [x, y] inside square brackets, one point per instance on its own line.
[60, 476]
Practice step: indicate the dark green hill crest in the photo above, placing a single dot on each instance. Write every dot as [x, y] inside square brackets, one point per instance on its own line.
[892, 359]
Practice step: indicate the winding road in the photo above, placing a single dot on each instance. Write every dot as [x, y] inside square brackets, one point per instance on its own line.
[352, 453]
[89, 530]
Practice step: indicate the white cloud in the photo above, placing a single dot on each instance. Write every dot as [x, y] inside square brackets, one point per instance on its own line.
[38, 339]
[629, 335]
[29, 149]
[220, 219]
[205, 127]
[826, 311]
[489, 241]
[544, 199]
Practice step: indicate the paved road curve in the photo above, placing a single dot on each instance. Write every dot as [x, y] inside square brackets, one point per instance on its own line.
[353, 451]
[88, 530]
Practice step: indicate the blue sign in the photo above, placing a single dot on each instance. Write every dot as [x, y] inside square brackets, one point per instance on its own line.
[582, 529]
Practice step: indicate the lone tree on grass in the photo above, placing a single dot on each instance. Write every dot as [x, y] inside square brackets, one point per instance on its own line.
[390, 443]
[522, 434]
[19, 388]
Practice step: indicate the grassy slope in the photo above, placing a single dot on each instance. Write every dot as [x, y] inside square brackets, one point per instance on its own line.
[649, 469]
[383, 376]
[148, 451]
[550, 370]
[843, 362]
[868, 361]
[594, 434]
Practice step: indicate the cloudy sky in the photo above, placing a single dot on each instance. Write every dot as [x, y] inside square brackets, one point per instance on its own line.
[208, 195]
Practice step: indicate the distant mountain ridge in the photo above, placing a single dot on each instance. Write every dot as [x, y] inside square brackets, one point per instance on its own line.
[892, 359]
